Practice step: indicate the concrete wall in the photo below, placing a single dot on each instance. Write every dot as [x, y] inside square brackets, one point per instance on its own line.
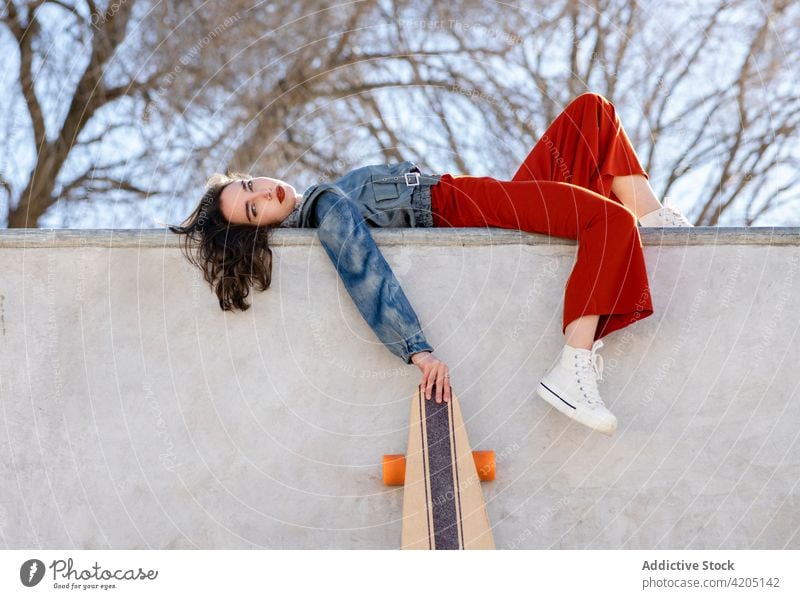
[136, 414]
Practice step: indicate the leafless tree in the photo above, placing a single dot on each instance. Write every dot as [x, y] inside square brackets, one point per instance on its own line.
[166, 92]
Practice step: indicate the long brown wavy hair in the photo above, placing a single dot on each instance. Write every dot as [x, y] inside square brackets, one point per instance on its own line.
[233, 257]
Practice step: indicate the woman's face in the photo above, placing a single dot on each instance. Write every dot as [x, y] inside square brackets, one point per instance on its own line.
[260, 201]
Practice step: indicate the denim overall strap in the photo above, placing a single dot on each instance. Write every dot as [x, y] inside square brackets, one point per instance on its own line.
[410, 179]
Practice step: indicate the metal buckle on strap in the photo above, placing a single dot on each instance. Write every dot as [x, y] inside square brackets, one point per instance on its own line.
[405, 176]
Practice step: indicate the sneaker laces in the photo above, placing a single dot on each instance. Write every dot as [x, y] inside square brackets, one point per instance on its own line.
[590, 370]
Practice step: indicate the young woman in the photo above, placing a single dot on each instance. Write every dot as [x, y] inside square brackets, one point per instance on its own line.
[582, 180]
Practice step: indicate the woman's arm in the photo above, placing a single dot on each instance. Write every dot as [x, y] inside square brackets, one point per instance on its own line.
[367, 276]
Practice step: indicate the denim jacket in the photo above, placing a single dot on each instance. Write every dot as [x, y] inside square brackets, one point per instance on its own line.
[379, 195]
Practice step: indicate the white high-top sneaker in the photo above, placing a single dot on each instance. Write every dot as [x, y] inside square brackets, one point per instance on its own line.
[571, 388]
[666, 216]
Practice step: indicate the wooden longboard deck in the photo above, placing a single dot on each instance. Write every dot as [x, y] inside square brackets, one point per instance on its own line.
[443, 505]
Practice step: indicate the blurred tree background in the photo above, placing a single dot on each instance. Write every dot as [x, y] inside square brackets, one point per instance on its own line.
[114, 114]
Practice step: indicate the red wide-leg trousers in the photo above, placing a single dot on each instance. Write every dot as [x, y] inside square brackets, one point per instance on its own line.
[563, 188]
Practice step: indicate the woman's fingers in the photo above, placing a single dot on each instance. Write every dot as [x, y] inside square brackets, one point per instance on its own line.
[439, 385]
[437, 376]
[429, 384]
[435, 372]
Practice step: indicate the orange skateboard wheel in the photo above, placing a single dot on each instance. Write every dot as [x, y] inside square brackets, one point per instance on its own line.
[485, 464]
[394, 469]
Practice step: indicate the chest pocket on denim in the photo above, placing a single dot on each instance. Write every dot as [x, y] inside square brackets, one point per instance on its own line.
[386, 194]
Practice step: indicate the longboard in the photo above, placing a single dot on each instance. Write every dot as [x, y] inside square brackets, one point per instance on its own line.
[443, 506]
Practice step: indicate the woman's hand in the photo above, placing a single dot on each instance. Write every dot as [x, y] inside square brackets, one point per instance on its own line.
[433, 371]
